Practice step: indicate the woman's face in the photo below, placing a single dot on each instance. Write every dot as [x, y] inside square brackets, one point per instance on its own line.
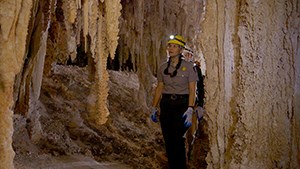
[174, 49]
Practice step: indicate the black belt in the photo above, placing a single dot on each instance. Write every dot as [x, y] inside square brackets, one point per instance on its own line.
[175, 96]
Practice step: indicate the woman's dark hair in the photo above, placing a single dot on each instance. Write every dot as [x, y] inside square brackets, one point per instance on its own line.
[174, 73]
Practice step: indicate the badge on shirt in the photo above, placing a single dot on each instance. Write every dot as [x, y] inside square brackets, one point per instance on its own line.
[183, 68]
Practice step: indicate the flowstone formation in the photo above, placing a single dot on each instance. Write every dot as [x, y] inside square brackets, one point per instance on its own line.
[252, 83]
[250, 53]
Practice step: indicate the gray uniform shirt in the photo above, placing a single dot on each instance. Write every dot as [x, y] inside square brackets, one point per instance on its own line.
[180, 83]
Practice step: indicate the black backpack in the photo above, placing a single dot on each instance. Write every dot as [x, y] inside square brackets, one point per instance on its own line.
[199, 87]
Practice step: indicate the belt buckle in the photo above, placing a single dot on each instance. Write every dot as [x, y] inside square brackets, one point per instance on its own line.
[173, 97]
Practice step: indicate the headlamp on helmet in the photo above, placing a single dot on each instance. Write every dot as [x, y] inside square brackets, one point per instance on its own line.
[177, 39]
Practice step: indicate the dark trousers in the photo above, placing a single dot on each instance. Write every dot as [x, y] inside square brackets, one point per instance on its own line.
[173, 129]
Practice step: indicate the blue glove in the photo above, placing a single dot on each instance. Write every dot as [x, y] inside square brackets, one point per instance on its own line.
[188, 114]
[154, 115]
[199, 111]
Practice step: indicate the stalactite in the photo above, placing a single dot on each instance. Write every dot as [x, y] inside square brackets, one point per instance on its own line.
[99, 37]
[85, 23]
[112, 14]
[93, 25]
[37, 74]
[78, 4]
[70, 10]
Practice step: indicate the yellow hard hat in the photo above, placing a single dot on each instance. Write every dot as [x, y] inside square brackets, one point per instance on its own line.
[177, 39]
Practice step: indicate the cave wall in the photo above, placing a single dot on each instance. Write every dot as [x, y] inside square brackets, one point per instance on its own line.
[252, 83]
[14, 20]
[145, 28]
[251, 49]
[37, 34]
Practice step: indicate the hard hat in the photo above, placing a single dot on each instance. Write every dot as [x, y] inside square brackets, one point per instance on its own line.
[187, 49]
[177, 39]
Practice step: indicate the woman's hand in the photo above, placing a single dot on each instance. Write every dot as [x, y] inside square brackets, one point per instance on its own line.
[188, 117]
[153, 115]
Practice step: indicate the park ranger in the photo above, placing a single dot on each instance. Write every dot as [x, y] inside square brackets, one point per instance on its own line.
[175, 95]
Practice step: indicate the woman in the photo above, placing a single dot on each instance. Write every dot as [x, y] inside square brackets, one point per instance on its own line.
[176, 93]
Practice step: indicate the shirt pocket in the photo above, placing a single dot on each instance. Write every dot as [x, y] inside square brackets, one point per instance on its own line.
[182, 78]
[167, 79]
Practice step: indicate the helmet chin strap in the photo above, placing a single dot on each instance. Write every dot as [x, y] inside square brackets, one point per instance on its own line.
[177, 56]
[175, 59]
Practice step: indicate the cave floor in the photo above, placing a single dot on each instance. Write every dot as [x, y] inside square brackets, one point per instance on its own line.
[64, 162]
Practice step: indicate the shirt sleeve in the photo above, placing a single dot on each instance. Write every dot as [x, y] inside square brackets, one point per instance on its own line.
[159, 74]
